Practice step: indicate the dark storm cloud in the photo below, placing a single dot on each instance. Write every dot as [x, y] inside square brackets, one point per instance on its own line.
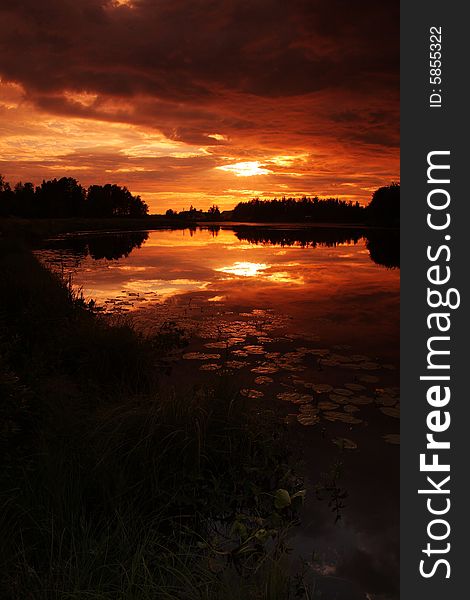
[196, 51]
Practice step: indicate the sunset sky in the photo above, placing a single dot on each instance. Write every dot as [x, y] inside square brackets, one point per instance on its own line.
[202, 101]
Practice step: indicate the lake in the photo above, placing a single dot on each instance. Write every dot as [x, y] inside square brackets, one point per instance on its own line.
[303, 319]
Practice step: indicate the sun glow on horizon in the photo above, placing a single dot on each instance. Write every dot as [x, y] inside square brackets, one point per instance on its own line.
[246, 169]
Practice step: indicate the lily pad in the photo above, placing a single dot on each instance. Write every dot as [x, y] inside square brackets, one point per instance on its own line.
[236, 364]
[263, 380]
[265, 369]
[254, 349]
[355, 387]
[360, 400]
[200, 356]
[338, 398]
[295, 397]
[209, 367]
[308, 419]
[386, 400]
[326, 405]
[390, 412]
[342, 392]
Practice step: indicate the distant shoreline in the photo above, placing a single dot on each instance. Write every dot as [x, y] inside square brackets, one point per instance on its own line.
[35, 229]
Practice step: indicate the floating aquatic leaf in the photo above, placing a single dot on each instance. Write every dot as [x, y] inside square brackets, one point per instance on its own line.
[345, 443]
[262, 380]
[350, 408]
[325, 405]
[240, 353]
[392, 438]
[308, 409]
[321, 388]
[385, 400]
[390, 412]
[235, 340]
[308, 419]
[210, 367]
[332, 415]
[251, 393]
[254, 349]
[343, 417]
[342, 392]
[295, 397]
[216, 345]
[200, 356]
[338, 399]
[265, 369]
[355, 387]
[236, 364]
[360, 400]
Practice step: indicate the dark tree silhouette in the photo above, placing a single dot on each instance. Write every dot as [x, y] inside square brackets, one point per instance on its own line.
[6, 197]
[384, 208]
[214, 213]
[113, 201]
[306, 209]
[65, 197]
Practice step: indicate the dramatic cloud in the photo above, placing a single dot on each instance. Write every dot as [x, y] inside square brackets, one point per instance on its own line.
[180, 99]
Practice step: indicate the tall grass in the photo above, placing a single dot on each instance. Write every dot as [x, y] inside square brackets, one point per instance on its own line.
[113, 488]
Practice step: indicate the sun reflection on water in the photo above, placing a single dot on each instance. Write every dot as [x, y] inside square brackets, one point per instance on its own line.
[244, 269]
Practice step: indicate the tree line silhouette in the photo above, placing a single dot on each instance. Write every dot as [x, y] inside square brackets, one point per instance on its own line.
[383, 209]
[65, 197]
[299, 210]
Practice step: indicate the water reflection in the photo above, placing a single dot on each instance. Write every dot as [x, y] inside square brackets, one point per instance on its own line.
[383, 244]
[111, 246]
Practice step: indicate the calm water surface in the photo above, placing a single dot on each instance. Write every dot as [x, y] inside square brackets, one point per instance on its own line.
[307, 320]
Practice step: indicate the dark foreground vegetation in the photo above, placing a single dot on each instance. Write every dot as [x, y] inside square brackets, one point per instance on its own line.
[113, 488]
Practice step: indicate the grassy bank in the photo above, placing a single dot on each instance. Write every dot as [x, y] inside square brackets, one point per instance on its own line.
[113, 488]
